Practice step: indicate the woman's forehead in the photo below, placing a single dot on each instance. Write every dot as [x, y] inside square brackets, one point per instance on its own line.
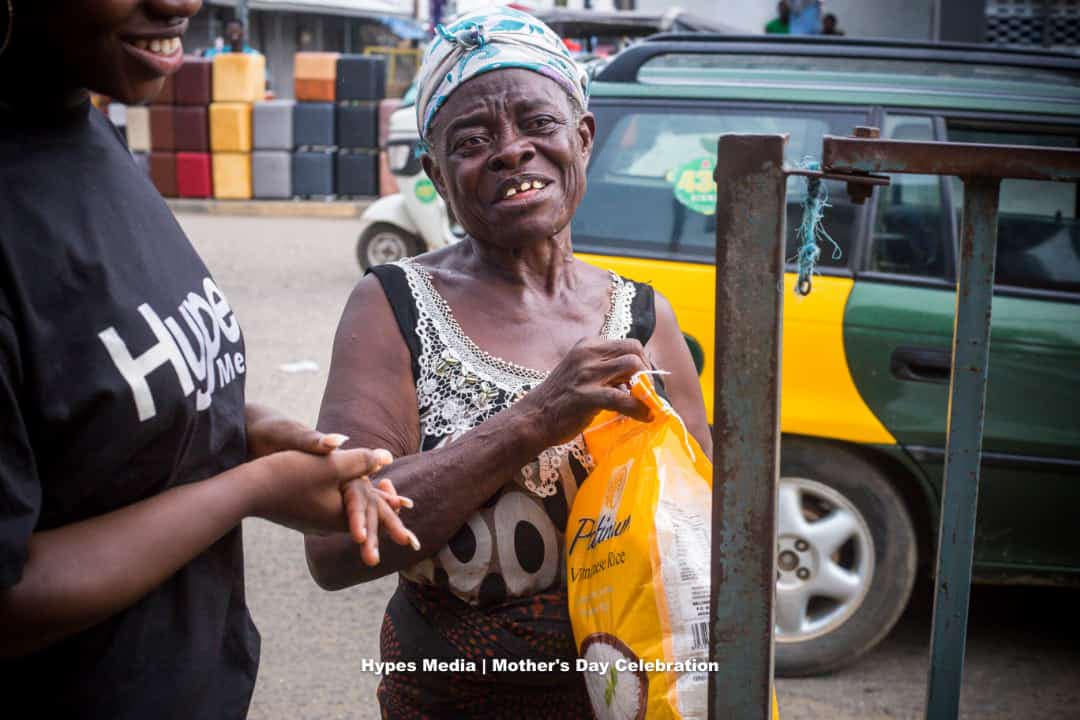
[503, 89]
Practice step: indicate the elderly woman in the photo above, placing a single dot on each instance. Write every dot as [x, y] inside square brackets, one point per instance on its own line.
[478, 366]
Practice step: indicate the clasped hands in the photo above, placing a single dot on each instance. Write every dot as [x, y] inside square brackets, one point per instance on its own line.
[316, 487]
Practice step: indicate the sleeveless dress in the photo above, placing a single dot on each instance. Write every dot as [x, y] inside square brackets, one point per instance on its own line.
[497, 590]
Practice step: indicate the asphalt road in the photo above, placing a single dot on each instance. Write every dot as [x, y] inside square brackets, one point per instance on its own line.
[288, 280]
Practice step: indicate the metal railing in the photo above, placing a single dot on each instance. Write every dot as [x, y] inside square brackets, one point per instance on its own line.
[750, 214]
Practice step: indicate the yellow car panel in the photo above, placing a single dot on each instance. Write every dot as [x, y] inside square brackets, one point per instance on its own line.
[819, 397]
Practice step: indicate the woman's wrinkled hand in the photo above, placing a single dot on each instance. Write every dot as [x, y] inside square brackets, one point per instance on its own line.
[323, 494]
[268, 432]
[592, 377]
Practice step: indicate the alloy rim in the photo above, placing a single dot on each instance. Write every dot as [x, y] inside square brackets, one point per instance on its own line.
[824, 560]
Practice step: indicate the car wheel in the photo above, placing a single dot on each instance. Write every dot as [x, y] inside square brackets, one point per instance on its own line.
[846, 558]
[383, 243]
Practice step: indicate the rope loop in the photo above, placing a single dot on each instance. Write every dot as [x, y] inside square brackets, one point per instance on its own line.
[810, 230]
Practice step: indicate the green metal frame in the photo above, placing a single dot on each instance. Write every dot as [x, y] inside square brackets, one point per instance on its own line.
[751, 183]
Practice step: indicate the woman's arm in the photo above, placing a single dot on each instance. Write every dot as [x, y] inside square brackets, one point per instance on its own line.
[668, 351]
[371, 397]
[80, 574]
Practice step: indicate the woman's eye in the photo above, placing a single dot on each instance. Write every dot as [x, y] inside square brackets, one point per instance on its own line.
[472, 141]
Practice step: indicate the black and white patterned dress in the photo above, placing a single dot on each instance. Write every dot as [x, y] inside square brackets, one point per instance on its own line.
[511, 548]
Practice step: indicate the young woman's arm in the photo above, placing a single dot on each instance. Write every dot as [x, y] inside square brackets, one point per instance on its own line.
[80, 574]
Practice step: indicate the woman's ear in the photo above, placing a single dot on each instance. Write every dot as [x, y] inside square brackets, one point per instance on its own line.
[587, 131]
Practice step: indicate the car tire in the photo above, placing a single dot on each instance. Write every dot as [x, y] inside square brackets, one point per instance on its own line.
[854, 594]
[382, 243]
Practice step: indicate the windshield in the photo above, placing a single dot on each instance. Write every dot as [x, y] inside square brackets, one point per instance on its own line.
[650, 188]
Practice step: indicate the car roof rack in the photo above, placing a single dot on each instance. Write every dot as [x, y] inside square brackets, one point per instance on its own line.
[624, 66]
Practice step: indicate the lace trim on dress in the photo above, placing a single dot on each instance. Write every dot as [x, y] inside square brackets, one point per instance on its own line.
[460, 385]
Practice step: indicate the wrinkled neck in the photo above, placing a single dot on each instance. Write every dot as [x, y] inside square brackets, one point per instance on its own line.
[545, 265]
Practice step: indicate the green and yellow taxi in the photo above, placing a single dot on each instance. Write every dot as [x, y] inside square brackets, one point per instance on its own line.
[866, 356]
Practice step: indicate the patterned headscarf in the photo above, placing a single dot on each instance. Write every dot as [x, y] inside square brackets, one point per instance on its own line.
[492, 39]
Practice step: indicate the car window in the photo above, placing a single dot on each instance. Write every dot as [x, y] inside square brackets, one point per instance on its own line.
[911, 232]
[650, 186]
[1038, 231]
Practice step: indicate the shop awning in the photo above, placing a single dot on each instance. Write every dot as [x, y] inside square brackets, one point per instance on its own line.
[350, 8]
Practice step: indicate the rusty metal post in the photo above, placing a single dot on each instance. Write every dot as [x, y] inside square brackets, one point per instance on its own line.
[750, 214]
[967, 399]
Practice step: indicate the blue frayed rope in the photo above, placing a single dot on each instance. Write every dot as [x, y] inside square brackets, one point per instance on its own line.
[810, 230]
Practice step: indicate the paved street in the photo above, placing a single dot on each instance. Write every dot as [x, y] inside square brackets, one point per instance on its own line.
[288, 279]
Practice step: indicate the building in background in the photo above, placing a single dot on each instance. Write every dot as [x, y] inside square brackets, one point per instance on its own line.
[281, 28]
[1040, 23]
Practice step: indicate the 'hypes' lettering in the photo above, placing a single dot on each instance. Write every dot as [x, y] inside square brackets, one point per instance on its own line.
[206, 357]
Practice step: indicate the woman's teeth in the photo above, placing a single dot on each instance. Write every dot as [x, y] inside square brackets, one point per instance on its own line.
[159, 46]
[525, 185]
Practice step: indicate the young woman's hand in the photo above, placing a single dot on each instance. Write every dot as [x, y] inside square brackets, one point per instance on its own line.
[268, 431]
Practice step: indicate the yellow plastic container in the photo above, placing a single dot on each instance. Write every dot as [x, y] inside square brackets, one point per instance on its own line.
[232, 176]
[239, 77]
[230, 127]
[315, 65]
[315, 76]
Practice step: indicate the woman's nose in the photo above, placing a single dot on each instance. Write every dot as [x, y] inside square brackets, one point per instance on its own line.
[172, 8]
[512, 154]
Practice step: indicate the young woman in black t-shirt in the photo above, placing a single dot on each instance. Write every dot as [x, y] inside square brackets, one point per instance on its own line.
[128, 456]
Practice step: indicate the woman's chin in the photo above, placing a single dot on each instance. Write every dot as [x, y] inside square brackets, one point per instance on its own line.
[140, 92]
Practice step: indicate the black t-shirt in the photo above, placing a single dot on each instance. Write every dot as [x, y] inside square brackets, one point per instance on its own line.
[121, 375]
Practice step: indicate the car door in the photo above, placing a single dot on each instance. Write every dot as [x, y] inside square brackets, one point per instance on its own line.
[898, 333]
[644, 217]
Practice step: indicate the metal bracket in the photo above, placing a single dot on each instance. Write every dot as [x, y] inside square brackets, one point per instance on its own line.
[859, 185]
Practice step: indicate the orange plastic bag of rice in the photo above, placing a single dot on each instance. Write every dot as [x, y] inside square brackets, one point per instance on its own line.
[637, 566]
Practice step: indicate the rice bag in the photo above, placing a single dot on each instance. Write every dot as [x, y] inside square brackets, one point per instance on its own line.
[638, 565]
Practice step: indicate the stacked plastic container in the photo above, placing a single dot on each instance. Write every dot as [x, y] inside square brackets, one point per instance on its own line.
[314, 136]
[162, 127]
[271, 160]
[192, 94]
[360, 87]
[239, 81]
[387, 182]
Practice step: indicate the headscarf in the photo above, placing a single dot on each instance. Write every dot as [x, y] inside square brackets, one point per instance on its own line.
[492, 39]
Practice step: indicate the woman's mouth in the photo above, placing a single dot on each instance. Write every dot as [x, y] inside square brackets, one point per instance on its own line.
[523, 191]
[164, 55]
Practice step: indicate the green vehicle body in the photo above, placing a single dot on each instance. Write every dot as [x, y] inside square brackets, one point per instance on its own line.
[1029, 498]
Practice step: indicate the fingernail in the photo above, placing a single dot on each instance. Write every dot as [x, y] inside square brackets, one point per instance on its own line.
[376, 557]
[405, 502]
[414, 541]
[384, 456]
[334, 440]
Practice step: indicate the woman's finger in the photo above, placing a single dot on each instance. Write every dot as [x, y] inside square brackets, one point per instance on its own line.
[394, 528]
[360, 462]
[623, 402]
[328, 442]
[370, 552]
[356, 503]
[621, 369]
[390, 494]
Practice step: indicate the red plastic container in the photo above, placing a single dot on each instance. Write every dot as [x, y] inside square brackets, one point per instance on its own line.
[167, 96]
[163, 172]
[192, 128]
[194, 175]
[193, 83]
[162, 128]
